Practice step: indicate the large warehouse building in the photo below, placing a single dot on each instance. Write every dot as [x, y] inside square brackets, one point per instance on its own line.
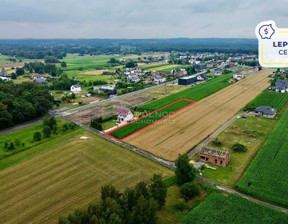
[188, 80]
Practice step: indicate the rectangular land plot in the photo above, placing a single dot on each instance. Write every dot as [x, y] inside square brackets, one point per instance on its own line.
[149, 119]
[68, 173]
[193, 124]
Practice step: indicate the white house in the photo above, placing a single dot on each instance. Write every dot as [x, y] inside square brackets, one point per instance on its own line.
[6, 79]
[76, 88]
[124, 115]
[238, 76]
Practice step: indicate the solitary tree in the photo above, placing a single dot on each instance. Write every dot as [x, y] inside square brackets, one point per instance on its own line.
[37, 136]
[184, 171]
[46, 132]
[63, 64]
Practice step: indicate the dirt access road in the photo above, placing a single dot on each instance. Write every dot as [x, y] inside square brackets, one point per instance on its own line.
[185, 129]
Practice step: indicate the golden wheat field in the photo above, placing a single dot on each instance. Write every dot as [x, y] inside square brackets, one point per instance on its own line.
[187, 128]
[68, 175]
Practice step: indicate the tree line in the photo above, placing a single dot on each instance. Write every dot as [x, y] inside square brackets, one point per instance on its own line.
[23, 102]
[135, 205]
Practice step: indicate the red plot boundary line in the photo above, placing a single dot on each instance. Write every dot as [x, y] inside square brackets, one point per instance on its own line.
[181, 99]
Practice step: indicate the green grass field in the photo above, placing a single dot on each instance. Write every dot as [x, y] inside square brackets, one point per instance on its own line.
[269, 98]
[267, 176]
[220, 209]
[145, 121]
[251, 132]
[55, 177]
[26, 136]
[196, 93]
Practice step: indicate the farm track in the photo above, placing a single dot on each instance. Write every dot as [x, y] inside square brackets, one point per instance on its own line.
[190, 126]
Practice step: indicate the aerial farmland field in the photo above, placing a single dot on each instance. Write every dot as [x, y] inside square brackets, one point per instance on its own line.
[218, 209]
[269, 98]
[191, 125]
[267, 176]
[67, 174]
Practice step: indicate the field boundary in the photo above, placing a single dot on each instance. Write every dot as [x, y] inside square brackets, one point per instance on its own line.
[181, 99]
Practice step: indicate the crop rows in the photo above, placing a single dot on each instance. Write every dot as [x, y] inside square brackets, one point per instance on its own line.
[269, 98]
[145, 121]
[218, 208]
[194, 93]
[267, 176]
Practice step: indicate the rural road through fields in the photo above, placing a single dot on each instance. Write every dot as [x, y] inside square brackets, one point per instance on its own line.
[5, 131]
[94, 104]
[172, 166]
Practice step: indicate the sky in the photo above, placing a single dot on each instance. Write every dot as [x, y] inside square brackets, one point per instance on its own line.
[137, 18]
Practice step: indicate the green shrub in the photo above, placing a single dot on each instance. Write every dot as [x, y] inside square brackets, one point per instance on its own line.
[96, 125]
[37, 136]
[46, 132]
[17, 141]
[239, 147]
[189, 190]
[11, 146]
[180, 204]
[64, 127]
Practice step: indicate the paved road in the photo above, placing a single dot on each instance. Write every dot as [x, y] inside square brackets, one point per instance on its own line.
[97, 103]
[207, 140]
[172, 164]
[19, 127]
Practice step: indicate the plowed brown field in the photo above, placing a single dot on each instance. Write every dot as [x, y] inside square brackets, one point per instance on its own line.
[188, 127]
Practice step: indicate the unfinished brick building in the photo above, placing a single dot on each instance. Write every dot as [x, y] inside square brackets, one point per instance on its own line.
[215, 156]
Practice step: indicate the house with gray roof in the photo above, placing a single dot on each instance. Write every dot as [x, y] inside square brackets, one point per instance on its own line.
[134, 79]
[40, 81]
[265, 111]
[281, 86]
[4, 74]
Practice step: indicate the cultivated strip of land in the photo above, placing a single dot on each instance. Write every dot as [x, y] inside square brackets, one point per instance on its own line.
[191, 125]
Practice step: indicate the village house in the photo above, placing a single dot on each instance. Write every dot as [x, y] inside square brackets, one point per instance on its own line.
[109, 90]
[124, 115]
[158, 79]
[38, 76]
[76, 88]
[238, 76]
[215, 156]
[265, 111]
[5, 79]
[40, 81]
[4, 74]
[134, 79]
[217, 71]
[201, 77]
[281, 86]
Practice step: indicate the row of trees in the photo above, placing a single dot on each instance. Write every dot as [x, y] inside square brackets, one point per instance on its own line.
[41, 68]
[135, 205]
[23, 102]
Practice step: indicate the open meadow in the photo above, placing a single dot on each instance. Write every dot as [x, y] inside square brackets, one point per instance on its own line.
[65, 174]
[191, 125]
